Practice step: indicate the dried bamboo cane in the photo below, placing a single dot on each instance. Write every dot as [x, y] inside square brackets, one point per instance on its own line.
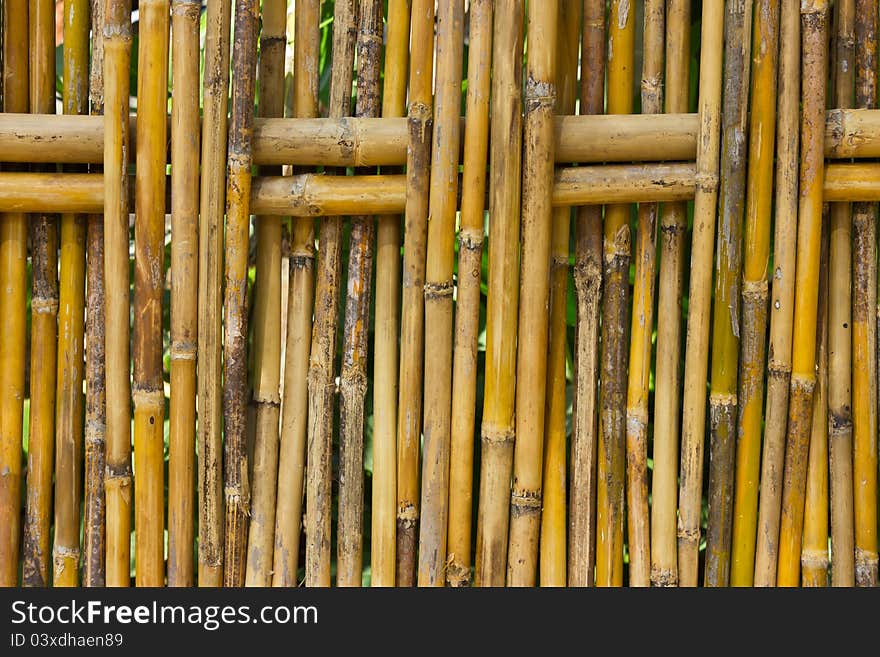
[353, 379]
[13, 278]
[236, 484]
[184, 288]
[782, 295]
[756, 253]
[696, 352]
[117, 479]
[864, 331]
[212, 195]
[267, 320]
[673, 227]
[814, 554]
[470, 259]
[726, 319]
[615, 306]
[526, 498]
[292, 451]
[502, 300]
[588, 284]
[803, 378]
[552, 565]
[321, 384]
[383, 539]
[69, 372]
[412, 321]
[642, 325]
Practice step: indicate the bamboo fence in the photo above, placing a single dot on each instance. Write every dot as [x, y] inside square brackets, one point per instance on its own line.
[631, 246]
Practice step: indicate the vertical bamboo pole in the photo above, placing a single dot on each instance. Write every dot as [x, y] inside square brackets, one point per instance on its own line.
[642, 325]
[699, 301]
[803, 377]
[552, 566]
[94, 515]
[412, 321]
[353, 379]
[814, 554]
[212, 204]
[615, 306]
[267, 319]
[291, 458]
[531, 358]
[235, 364]
[726, 318]
[588, 284]
[438, 294]
[117, 480]
[503, 298]
[383, 539]
[756, 253]
[673, 227]
[322, 387]
[782, 297]
[13, 277]
[184, 287]
[864, 335]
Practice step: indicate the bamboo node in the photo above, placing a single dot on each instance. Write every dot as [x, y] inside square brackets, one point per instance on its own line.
[755, 290]
[803, 383]
[500, 437]
[183, 351]
[664, 577]
[636, 421]
[44, 306]
[458, 575]
[688, 534]
[814, 559]
[189, 9]
[706, 182]
[539, 94]
[866, 567]
[470, 240]
[840, 422]
[722, 399]
[778, 369]
[438, 290]
[146, 397]
[407, 513]
[525, 502]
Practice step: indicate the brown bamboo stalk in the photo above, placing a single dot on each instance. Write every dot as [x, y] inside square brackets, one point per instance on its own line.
[642, 325]
[610, 465]
[756, 252]
[412, 321]
[184, 288]
[322, 387]
[814, 554]
[236, 483]
[267, 320]
[117, 479]
[803, 378]
[696, 352]
[673, 227]
[353, 379]
[502, 301]
[588, 284]
[292, 451]
[13, 277]
[383, 539]
[552, 548]
[864, 335]
[782, 295]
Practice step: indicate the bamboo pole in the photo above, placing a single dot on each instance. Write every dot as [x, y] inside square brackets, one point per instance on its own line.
[292, 451]
[383, 539]
[236, 483]
[353, 379]
[699, 300]
[723, 402]
[552, 547]
[412, 321]
[267, 320]
[13, 278]
[782, 296]
[756, 253]
[814, 554]
[642, 325]
[864, 332]
[212, 195]
[610, 470]
[673, 228]
[803, 378]
[588, 285]
[321, 384]
[184, 288]
[502, 300]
